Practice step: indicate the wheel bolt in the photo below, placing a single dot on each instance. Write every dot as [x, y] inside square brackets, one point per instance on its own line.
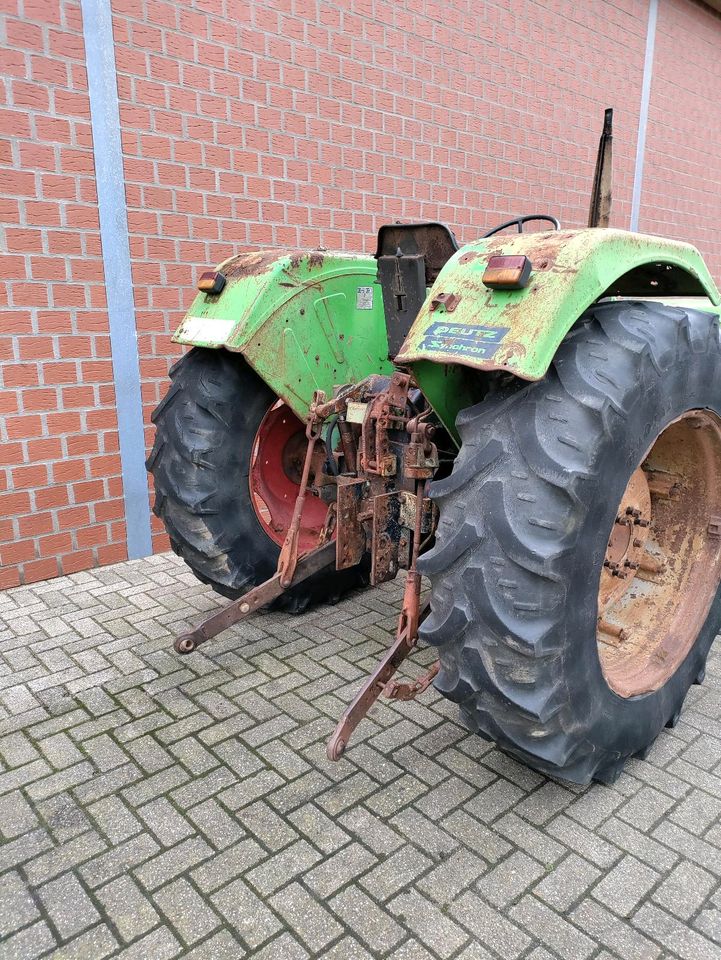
[612, 630]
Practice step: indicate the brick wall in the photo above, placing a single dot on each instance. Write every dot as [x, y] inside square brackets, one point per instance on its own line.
[60, 492]
[682, 181]
[293, 131]
[296, 124]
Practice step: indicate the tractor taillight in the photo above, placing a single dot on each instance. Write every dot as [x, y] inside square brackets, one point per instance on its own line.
[211, 282]
[507, 273]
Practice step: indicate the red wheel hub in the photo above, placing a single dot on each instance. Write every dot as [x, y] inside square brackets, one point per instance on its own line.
[275, 471]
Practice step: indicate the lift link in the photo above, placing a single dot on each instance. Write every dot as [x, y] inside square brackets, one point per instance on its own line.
[256, 598]
[290, 570]
[288, 559]
[380, 682]
[320, 409]
[373, 687]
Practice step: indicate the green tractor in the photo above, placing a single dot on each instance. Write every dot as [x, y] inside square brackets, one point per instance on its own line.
[531, 421]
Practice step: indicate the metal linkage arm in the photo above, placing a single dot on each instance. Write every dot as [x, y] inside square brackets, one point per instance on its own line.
[373, 688]
[258, 597]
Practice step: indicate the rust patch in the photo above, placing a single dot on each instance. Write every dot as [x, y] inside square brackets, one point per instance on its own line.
[250, 264]
[351, 539]
[627, 542]
[448, 300]
[514, 349]
[542, 248]
[663, 563]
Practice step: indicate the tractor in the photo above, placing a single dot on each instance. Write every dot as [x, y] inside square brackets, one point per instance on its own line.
[531, 421]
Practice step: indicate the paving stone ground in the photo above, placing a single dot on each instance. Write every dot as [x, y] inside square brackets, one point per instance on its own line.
[153, 806]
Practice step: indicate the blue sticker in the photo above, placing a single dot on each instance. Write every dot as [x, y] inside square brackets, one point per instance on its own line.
[479, 342]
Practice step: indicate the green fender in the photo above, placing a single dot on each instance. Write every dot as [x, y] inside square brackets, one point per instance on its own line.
[304, 321]
[309, 321]
[520, 330]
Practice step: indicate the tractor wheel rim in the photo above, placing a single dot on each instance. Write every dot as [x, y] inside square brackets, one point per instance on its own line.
[662, 566]
[276, 466]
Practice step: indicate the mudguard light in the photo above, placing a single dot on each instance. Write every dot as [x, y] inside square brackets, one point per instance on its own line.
[507, 273]
[211, 282]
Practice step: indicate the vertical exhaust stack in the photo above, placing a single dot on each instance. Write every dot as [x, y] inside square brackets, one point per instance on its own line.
[599, 214]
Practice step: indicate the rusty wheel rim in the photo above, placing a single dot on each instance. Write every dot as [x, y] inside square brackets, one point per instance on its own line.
[662, 566]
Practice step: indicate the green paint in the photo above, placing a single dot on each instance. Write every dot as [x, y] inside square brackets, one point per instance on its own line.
[519, 331]
[311, 321]
[305, 322]
[453, 388]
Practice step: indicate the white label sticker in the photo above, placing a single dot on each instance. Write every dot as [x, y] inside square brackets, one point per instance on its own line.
[364, 298]
[205, 330]
[355, 411]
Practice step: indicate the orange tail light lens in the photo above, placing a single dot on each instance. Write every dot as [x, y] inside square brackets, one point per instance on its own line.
[507, 273]
[211, 282]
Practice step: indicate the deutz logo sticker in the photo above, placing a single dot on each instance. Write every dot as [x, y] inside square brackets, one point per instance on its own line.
[364, 298]
[479, 342]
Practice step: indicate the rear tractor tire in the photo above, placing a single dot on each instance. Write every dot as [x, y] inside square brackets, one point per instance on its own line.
[575, 574]
[226, 464]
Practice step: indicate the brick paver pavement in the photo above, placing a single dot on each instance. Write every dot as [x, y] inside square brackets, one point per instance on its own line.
[153, 806]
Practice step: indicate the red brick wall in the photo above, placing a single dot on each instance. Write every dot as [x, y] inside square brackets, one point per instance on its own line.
[60, 493]
[294, 128]
[682, 181]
